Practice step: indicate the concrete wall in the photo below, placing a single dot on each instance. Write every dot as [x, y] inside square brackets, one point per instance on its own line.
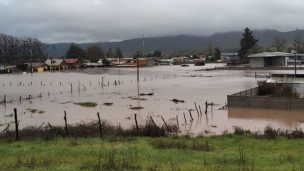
[256, 62]
[281, 103]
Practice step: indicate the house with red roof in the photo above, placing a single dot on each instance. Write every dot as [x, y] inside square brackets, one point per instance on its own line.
[73, 63]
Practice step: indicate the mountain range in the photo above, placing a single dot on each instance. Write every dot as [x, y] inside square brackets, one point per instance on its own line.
[226, 42]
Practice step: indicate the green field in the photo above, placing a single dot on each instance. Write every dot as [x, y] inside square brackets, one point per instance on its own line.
[244, 151]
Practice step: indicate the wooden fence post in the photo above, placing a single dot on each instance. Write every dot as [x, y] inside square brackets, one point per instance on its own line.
[66, 125]
[100, 128]
[16, 123]
[200, 109]
[196, 109]
[153, 121]
[165, 123]
[206, 106]
[191, 115]
[177, 122]
[185, 118]
[136, 124]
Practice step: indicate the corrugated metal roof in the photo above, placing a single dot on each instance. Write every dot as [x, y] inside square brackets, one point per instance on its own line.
[272, 54]
[35, 64]
[56, 62]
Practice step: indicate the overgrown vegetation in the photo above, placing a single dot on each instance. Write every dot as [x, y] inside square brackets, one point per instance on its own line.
[135, 98]
[32, 110]
[278, 89]
[86, 104]
[129, 149]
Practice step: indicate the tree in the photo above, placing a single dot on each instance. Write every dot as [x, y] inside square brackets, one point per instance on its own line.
[209, 50]
[279, 43]
[217, 53]
[253, 50]
[111, 54]
[94, 53]
[157, 53]
[105, 62]
[247, 42]
[118, 52]
[75, 51]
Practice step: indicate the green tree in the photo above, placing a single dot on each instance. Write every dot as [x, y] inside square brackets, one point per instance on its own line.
[217, 53]
[75, 51]
[247, 42]
[94, 53]
[105, 62]
[253, 50]
[111, 54]
[118, 53]
[157, 53]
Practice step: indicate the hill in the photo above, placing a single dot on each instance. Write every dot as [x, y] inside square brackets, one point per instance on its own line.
[227, 42]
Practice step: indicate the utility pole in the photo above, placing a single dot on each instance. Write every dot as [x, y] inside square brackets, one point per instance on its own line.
[137, 65]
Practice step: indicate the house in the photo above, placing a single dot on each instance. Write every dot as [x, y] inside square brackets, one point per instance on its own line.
[37, 67]
[74, 63]
[58, 64]
[141, 62]
[267, 59]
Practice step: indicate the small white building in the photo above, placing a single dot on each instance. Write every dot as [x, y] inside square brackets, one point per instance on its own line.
[267, 59]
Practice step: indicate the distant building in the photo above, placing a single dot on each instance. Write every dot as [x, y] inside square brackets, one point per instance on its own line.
[73, 63]
[58, 64]
[267, 59]
[229, 55]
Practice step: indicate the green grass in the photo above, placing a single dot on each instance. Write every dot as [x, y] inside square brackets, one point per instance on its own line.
[10, 115]
[135, 98]
[41, 111]
[86, 104]
[228, 152]
[32, 110]
[1, 125]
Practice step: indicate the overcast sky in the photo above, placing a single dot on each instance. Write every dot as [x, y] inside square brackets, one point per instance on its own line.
[80, 21]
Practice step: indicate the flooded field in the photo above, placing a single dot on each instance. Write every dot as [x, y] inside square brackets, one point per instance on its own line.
[165, 82]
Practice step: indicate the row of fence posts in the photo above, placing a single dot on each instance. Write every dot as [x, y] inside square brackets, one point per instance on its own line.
[100, 126]
[65, 122]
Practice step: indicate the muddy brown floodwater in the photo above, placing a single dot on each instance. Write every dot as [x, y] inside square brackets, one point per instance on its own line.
[166, 82]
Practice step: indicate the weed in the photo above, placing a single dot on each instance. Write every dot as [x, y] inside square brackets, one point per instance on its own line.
[41, 111]
[135, 98]
[10, 115]
[32, 110]
[86, 104]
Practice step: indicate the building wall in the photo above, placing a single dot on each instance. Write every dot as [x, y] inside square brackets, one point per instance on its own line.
[256, 62]
[278, 61]
[248, 99]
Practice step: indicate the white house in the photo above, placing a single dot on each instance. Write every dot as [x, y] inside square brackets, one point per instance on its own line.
[267, 59]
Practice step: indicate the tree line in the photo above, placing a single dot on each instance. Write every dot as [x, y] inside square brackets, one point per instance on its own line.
[21, 50]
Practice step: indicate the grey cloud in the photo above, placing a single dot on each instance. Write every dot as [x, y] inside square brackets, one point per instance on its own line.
[112, 20]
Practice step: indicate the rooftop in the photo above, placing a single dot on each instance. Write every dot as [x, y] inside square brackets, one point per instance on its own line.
[273, 54]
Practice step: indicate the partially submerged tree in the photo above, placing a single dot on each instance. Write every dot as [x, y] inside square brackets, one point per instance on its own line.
[217, 53]
[75, 51]
[279, 43]
[253, 50]
[94, 53]
[247, 42]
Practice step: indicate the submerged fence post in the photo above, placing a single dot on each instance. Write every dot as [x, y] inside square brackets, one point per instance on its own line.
[185, 118]
[191, 115]
[165, 123]
[66, 125]
[100, 128]
[153, 121]
[206, 106]
[196, 109]
[16, 123]
[177, 122]
[71, 87]
[200, 109]
[136, 124]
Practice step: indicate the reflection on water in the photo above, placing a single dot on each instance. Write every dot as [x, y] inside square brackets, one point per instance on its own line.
[167, 83]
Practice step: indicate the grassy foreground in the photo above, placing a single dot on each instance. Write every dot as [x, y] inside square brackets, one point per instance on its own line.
[223, 152]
